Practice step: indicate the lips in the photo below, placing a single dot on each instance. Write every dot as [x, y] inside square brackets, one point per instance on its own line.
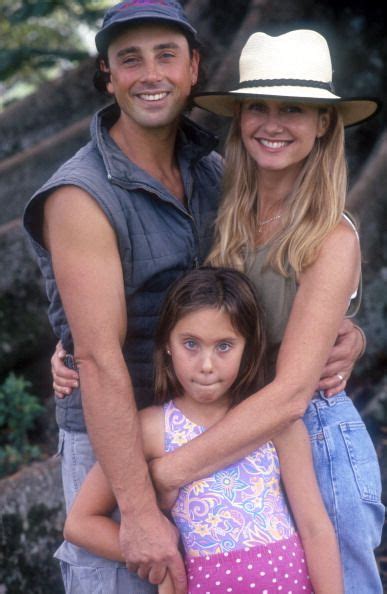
[202, 385]
[153, 96]
[274, 144]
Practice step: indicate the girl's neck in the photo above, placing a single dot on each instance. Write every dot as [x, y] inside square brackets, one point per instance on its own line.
[203, 414]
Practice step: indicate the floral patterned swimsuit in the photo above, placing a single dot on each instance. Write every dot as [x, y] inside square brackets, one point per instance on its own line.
[236, 528]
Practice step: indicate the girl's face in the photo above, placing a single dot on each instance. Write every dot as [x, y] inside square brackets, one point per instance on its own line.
[206, 353]
[279, 135]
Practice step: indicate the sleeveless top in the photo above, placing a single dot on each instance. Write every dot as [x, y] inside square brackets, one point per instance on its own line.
[239, 507]
[276, 294]
[158, 237]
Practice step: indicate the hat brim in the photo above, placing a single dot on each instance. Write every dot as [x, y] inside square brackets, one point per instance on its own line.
[105, 36]
[353, 110]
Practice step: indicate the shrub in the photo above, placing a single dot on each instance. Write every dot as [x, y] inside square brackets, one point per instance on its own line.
[18, 412]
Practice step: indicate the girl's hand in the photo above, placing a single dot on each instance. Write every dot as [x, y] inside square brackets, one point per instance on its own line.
[64, 378]
[166, 493]
[345, 352]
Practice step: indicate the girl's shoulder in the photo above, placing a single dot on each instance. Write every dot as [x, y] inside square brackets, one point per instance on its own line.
[152, 429]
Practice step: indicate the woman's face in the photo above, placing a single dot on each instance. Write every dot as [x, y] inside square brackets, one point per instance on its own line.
[279, 135]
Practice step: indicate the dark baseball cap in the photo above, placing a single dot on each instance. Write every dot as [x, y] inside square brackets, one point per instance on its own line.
[116, 17]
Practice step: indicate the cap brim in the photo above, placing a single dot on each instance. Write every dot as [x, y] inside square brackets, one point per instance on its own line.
[104, 37]
[353, 111]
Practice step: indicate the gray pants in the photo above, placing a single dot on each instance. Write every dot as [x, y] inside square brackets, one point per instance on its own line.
[84, 573]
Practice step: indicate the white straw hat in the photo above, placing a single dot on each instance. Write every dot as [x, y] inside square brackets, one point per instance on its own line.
[296, 65]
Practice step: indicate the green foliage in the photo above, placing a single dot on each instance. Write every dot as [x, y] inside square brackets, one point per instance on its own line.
[18, 412]
[39, 38]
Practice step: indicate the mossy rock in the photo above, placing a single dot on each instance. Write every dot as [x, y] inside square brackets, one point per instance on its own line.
[27, 545]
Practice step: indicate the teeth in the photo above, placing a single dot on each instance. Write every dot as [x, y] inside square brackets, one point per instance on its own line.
[153, 96]
[273, 144]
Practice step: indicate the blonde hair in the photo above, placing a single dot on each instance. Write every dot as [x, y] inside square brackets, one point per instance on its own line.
[314, 206]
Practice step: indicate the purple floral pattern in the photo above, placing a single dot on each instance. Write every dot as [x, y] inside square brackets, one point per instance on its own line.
[241, 506]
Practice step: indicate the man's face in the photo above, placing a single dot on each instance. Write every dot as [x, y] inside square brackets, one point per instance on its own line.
[151, 74]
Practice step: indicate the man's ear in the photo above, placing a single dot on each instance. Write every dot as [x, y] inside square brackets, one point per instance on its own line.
[105, 73]
[195, 61]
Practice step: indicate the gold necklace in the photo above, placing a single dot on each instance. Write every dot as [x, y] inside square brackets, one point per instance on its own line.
[262, 223]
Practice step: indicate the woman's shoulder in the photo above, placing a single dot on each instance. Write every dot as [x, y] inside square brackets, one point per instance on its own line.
[343, 236]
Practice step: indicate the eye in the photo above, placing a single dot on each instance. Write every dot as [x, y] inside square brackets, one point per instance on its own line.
[224, 347]
[167, 55]
[190, 344]
[291, 108]
[131, 60]
[255, 106]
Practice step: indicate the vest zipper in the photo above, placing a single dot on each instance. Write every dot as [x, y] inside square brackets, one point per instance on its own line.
[185, 211]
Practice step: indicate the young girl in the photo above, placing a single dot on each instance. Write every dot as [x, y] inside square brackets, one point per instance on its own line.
[238, 533]
[282, 221]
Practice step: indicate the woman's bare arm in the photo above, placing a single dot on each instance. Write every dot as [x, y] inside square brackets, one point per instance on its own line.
[312, 521]
[318, 310]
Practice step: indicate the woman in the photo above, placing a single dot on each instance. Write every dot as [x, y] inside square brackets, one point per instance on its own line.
[282, 221]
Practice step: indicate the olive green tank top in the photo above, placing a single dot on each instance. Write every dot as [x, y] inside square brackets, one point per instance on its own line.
[276, 294]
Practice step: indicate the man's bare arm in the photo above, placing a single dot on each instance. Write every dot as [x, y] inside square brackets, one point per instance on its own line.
[89, 275]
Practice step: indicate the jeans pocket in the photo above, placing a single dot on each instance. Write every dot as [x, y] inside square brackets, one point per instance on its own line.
[59, 450]
[363, 459]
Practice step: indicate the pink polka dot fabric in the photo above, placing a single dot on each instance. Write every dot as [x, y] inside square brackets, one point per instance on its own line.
[277, 568]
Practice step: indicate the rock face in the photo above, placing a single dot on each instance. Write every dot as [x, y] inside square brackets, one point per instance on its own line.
[37, 135]
[23, 318]
[32, 515]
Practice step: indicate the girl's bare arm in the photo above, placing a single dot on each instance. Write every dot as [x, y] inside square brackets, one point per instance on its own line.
[89, 523]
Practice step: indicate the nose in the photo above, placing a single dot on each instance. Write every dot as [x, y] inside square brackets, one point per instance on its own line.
[273, 124]
[207, 365]
[151, 71]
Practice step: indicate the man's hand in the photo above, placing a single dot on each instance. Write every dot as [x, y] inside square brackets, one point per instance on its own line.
[346, 350]
[64, 378]
[166, 494]
[149, 545]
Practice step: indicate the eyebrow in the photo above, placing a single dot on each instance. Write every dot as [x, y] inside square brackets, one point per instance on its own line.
[134, 49]
[221, 339]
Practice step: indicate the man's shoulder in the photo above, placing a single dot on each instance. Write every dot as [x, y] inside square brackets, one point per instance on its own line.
[85, 161]
[82, 170]
[85, 164]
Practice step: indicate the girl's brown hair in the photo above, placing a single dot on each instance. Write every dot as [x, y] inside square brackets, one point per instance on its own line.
[221, 289]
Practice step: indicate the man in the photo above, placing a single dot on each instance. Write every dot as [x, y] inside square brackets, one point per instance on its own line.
[112, 229]
[114, 226]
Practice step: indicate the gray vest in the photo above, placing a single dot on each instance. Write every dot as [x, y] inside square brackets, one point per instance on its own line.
[159, 239]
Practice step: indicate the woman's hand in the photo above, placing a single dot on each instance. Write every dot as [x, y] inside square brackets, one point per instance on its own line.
[347, 349]
[166, 492]
[64, 378]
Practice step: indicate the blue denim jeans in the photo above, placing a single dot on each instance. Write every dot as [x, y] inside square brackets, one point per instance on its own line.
[348, 473]
[83, 572]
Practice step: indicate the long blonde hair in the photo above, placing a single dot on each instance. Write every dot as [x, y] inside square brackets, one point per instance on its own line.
[314, 206]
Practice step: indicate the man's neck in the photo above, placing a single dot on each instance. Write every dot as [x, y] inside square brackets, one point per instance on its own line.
[152, 149]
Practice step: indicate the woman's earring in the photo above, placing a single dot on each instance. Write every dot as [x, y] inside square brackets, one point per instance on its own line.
[168, 352]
